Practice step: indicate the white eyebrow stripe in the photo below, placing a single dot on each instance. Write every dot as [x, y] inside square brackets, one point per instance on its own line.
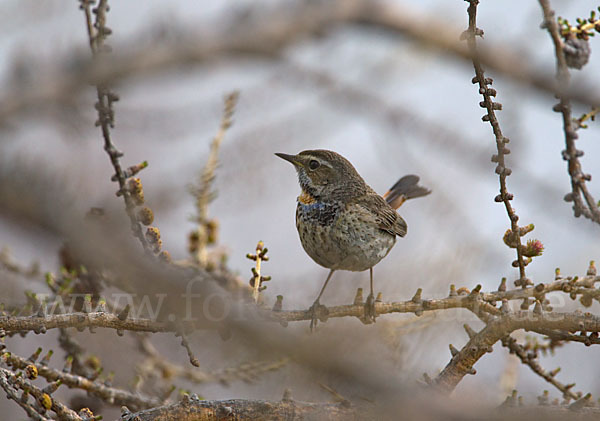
[321, 161]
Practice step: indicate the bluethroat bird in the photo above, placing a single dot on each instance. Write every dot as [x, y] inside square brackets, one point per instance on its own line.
[342, 222]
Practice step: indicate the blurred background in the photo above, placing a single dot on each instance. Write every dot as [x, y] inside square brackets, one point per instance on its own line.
[381, 100]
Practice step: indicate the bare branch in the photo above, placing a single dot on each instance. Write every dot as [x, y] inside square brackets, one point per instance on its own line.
[497, 328]
[97, 34]
[571, 154]
[192, 408]
[530, 359]
[108, 394]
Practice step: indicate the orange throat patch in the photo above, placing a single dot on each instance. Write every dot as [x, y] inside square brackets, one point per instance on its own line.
[306, 199]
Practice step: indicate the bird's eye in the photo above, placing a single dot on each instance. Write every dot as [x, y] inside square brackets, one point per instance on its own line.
[314, 164]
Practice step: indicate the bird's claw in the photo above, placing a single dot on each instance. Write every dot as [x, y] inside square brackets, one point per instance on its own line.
[317, 312]
[370, 312]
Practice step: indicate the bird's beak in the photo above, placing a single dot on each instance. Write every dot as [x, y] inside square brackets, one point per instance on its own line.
[290, 158]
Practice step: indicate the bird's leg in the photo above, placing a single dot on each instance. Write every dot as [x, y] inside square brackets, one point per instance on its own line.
[370, 313]
[318, 311]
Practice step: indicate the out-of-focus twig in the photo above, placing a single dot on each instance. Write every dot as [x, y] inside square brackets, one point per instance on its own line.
[203, 192]
[192, 408]
[157, 363]
[8, 263]
[530, 359]
[267, 36]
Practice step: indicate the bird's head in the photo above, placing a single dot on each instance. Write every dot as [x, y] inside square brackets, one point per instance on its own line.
[324, 174]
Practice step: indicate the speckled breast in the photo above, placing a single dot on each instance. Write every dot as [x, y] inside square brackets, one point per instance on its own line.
[340, 238]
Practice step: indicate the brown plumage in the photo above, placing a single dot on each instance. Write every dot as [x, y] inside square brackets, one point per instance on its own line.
[342, 222]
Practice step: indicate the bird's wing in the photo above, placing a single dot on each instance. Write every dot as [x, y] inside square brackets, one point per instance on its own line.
[384, 215]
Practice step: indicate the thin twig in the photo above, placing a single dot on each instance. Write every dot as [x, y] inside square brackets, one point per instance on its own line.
[97, 34]
[502, 170]
[571, 154]
[11, 393]
[530, 360]
[203, 192]
[62, 411]
[98, 389]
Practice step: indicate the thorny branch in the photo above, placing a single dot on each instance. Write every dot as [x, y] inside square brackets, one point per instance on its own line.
[498, 327]
[571, 154]
[44, 402]
[500, 322]
[82, 320]
[502, 170]
[108, 394]
[12, 393]
[529, 358]
[97, 33]
[192, 408]
[475, 299]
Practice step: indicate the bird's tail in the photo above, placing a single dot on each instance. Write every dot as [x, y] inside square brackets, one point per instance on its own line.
[405, 188]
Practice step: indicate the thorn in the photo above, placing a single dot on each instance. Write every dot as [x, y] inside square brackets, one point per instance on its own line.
[123, 314]
[592, 269]
[475, 292]
[358, 298]
[580, 403]
[505, 309]
[417, 297]
[537, 309]
[502, 286]
[469, 331]
[278, 306]
[453, 350]
[287, 395]
[452, 291]
[35, 355]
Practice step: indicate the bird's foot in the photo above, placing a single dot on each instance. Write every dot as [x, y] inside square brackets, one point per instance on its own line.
[317, 312]
[370, 312]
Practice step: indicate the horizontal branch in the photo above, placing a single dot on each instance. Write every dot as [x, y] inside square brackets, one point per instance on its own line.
[474, 301]
[194, 409]
[82, 320]
[467, 300]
